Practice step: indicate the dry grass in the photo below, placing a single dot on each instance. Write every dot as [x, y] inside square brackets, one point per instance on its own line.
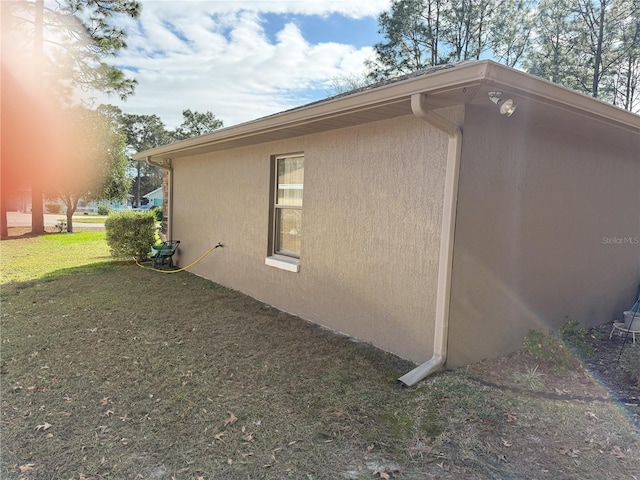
[114, 372]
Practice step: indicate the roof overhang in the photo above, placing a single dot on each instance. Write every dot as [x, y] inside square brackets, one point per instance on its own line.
[462, 84]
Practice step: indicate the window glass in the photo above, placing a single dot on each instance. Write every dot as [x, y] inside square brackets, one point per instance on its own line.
[288, 205]
[288, 231]
[290, 173]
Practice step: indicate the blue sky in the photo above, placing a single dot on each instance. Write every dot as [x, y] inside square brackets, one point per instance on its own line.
[243, 59]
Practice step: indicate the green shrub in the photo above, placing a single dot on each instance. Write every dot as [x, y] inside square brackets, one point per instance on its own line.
[573, 337]
[546, 348]
[557, 348]
[131, 234]
[630, 362]
[157, 211]
[104, 210]
[53, 208]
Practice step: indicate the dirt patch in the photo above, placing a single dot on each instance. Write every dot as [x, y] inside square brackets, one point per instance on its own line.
[596, 378]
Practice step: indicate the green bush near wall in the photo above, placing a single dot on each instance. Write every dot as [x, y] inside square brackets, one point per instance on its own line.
[158, 213]
[131, 234]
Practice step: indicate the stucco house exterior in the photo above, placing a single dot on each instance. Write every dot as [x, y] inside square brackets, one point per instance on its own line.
[423, 215]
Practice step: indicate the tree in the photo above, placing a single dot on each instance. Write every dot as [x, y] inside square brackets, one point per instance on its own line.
[412, 32]
[600, 42]
[592, 46]
[345, 83]
[143, 132]
[511, 28]
[96, 168]
[622, 85]
[552, 55]
[465, 31]
[425, 33]
[196, 123]
[64, 48]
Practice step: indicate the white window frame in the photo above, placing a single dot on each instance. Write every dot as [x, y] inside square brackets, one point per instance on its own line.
[283, 261]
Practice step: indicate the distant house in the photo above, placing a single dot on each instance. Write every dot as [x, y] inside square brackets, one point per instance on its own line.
[155, 197]
[423, 215]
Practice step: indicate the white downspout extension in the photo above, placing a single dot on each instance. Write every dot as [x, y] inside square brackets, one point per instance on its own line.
[169, 169]
[445, 264]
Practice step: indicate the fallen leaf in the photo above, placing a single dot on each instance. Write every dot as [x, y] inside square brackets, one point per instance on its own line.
[229, 461]
[200, 478]
[511, 417]
[248, 438]
[104, 401]
[618, 453]
[382, 474]
[27, 467]
[502, 458]
[570, 452]
[506, 443]
[43, 427]
[218, 436]
[231, 420]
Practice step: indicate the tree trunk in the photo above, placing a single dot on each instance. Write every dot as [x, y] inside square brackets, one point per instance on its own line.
[4, 227]
[72, 205]
[70, 212]
[598, 56]
[4, 196]
[37, 212]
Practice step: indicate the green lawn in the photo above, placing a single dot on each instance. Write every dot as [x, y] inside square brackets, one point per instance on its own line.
[89, 218]
[32, 258]
[110, 371]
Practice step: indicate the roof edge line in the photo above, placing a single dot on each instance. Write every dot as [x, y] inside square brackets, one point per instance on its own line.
[455, 77]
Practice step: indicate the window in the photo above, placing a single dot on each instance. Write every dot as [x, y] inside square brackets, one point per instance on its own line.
[286, 222]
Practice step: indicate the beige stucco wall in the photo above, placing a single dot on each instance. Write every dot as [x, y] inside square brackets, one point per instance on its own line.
[371, 227]
[548, 229]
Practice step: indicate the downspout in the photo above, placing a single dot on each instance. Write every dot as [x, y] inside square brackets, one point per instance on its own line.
[445, 264]
[166, 165]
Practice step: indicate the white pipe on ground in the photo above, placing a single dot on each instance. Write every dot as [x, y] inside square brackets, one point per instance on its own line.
[421, 110]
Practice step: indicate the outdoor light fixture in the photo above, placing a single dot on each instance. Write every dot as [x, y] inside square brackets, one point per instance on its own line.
[507, 107]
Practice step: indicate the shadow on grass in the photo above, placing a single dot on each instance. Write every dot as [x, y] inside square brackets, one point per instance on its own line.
[110, 370]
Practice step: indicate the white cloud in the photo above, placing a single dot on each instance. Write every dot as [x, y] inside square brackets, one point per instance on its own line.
[217, 56]
[347, 8]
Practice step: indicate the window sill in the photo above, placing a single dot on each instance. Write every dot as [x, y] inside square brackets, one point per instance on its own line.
[284, 263]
